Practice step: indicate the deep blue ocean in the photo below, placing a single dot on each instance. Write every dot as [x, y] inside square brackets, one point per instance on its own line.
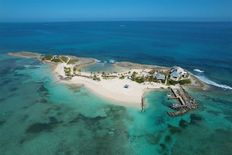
[39, 116]
[202, 45]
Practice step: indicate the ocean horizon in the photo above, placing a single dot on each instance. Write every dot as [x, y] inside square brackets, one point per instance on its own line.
[38, 115]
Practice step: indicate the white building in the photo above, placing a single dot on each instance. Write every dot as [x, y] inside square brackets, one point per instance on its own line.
[145, 73]
[159, 76]
[177, 73]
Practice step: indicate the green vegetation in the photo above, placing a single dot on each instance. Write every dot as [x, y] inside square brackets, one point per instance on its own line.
[139, 79]
[76, 69]
[172, 82]
[72, 61]
[56, 59]
[103, 74]
[108, 76]
[122, 77]
[47, 57]
[96, 78]
[133, 76]
[64, 58]
[51, 58]
[150, 79]
[185, 81]
[67, 71]
[59, 59]
[152, 71]
[181, 82]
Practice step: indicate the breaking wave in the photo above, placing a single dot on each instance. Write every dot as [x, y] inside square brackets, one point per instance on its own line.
[111, 61]
[98, 61]
[199, 71]
[210, 82]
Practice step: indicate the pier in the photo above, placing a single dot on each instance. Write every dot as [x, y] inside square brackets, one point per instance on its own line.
[177, 113]
[185, 101]
[142, 104]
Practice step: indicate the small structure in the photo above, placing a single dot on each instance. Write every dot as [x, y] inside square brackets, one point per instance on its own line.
[126, 86]
[177, 73]
[144, 73]
[159, 76]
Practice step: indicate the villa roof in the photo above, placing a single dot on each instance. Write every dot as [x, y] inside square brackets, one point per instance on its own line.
[178, 70]
[160, 76]
[175, 74]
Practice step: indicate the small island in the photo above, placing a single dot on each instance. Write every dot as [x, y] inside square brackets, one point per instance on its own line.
[126, 87]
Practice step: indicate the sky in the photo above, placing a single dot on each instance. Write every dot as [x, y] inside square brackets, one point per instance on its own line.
[87, 10]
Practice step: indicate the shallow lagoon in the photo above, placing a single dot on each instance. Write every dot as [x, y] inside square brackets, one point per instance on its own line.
[40, 116]
[103, 67]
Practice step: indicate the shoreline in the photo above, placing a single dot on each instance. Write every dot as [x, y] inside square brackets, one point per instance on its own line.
[122, 91]
[112, 89]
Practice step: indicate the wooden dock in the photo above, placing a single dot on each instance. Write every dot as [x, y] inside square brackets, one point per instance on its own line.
[142, 104]
[186, 102]
[178, 96]
[177, 113]
[178, 106]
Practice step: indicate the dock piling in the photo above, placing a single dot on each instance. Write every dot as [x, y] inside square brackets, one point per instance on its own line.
[186, 102]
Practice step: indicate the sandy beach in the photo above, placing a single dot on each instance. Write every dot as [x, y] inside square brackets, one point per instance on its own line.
[112, 89]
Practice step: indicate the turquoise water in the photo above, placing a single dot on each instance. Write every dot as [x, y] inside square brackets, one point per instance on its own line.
[40, 116]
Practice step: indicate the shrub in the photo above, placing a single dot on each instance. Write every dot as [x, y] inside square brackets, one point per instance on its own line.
[72, 61]
[181, 82]
[103, 74]
[67, 71]
[56, 60]
[133, 76]
[150, 79]
[96, 78]
[47, 57]
[64, 58]
[172, 82]
[122, 77]
[139, 79]
[185, 81]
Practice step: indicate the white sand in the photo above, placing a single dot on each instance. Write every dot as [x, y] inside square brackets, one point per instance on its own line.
[113, 89]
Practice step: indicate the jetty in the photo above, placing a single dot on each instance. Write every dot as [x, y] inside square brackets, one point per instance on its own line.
[177, 113]
[185, 101]
[142, 104]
